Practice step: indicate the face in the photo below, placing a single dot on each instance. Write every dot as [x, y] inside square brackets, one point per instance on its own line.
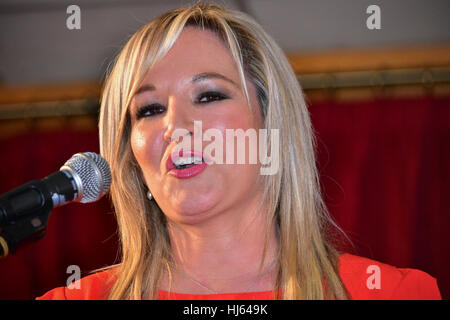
[196, 81]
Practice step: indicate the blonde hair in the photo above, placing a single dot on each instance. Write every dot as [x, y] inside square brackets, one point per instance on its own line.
[308, 260]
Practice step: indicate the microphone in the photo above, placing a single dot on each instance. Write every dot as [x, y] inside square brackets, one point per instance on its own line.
[24, 211]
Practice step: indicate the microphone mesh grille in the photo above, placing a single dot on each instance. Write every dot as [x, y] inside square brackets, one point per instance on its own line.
[94, 174]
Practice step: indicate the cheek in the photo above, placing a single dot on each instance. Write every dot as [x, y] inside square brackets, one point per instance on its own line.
[145, 149]
[246, 123]
[138, 141]
[232, 117]
[229, 167]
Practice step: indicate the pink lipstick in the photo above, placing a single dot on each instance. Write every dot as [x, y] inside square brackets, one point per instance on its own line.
[186, 164]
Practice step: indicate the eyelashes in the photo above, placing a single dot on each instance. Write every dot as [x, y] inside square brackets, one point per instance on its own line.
[210, 97]
[150, 110]
[155, 108]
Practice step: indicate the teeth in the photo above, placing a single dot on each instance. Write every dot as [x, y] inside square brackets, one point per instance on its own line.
[188, 160]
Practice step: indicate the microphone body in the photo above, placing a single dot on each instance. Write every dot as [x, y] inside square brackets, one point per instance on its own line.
[52, 191]
[24, 211]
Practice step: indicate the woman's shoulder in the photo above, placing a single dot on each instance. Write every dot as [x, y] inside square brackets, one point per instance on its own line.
[91, 287]
[363, 278]
[369, 279]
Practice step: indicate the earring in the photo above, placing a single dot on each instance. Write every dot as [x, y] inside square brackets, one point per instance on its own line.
[149, 195]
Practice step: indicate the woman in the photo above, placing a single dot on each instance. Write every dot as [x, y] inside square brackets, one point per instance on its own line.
[192, 228]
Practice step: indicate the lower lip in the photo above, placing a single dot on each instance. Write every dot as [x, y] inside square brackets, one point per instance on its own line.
[188, 172]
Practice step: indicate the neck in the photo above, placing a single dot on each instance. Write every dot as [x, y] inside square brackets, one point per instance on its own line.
[224, 253]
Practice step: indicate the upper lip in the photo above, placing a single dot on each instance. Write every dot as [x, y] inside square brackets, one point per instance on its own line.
[177, 154]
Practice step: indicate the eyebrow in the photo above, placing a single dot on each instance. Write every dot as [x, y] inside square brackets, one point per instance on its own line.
[212, 75]
[145, 87]
[197, 78]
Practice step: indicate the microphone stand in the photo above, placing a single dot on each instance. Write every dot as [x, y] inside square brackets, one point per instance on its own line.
[24, 212]
[23, 231]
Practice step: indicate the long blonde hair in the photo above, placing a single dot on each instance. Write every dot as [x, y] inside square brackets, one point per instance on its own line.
[308, 260]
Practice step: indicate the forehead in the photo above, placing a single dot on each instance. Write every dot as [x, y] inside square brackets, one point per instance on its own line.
[194, 51]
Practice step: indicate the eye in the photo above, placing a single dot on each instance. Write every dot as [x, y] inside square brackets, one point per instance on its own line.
[211, 96]
[149, 110]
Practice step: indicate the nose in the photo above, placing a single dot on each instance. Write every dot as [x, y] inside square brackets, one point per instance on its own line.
[178, 120]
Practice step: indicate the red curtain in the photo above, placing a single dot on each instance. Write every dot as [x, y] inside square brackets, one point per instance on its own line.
[385, 171]
[384, 168]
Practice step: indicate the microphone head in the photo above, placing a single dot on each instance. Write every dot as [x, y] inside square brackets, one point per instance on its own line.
[91, 175]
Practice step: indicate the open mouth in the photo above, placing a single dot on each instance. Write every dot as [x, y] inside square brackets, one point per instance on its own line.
[186, 164]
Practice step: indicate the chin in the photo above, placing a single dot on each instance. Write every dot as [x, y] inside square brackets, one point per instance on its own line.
[190, 207]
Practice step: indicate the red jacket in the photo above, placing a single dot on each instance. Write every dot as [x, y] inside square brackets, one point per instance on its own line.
[357, 273]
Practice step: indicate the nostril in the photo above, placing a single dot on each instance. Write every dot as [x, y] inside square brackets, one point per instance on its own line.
[189, 133]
